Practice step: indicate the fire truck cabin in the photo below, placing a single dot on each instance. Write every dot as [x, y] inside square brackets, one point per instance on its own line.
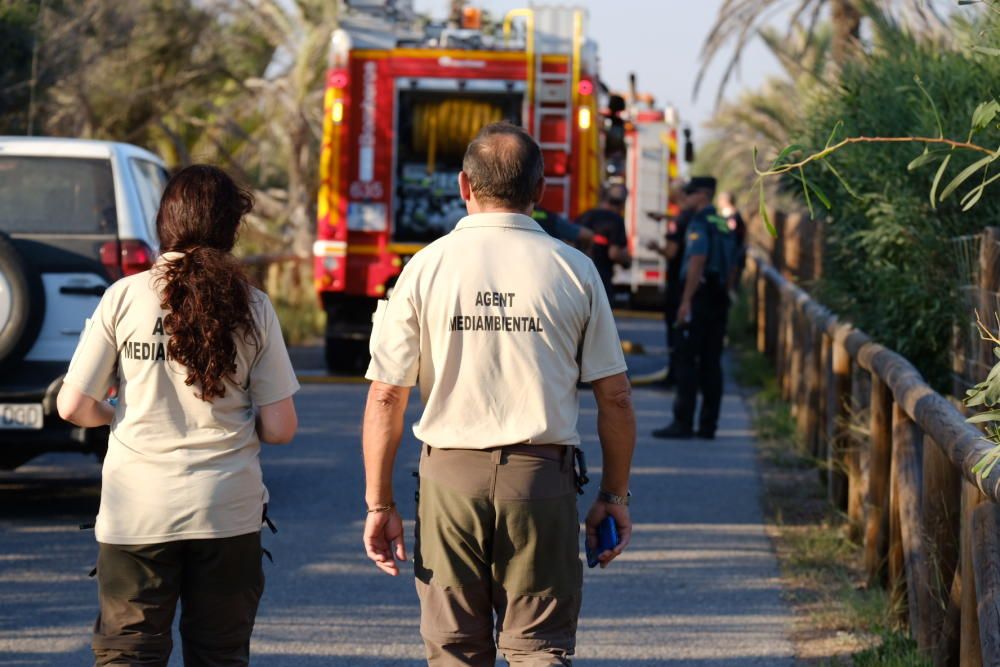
[402, 102]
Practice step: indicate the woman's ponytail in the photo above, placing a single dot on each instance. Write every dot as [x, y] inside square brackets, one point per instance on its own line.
[204, 290]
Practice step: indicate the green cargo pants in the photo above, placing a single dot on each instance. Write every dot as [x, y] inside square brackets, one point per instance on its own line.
[219, 583]
[498, 533]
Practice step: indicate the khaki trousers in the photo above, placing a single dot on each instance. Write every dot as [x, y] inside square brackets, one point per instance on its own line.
[498, 534]
[219, 583]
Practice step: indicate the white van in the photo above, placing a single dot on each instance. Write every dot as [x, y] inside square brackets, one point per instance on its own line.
[75, 215]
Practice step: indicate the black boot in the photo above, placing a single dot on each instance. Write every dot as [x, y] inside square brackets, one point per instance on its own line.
[674, 432]
[670, 381]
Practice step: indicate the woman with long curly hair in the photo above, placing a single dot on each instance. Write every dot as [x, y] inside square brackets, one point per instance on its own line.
[203, 378]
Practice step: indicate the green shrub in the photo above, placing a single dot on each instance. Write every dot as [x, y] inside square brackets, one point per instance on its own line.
[890, 266]
[895, 650]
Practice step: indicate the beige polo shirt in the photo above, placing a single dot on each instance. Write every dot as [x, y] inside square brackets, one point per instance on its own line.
[499, 322]
[177, 467]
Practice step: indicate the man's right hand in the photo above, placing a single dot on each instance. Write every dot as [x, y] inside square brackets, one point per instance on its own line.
[598, 511]
[384, 539]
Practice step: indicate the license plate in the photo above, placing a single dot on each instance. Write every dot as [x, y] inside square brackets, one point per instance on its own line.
[21, 416]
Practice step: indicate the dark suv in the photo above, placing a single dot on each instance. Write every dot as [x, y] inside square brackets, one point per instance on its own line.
[75, 215]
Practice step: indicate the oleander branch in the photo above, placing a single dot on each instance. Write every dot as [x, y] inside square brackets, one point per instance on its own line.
[829, 150]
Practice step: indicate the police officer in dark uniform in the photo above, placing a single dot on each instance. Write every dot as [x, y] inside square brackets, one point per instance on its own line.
[673, 252]
[706, 272]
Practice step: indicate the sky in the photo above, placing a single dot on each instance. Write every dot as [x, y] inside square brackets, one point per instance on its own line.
[660, 40]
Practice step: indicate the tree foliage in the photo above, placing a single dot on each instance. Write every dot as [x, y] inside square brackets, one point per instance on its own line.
[889, 263]
[17, 22]
[234, 82]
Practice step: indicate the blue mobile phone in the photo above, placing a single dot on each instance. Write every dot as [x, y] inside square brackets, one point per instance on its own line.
[607, 539]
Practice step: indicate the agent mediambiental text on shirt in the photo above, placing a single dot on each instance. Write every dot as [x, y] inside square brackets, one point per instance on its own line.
[498, 323]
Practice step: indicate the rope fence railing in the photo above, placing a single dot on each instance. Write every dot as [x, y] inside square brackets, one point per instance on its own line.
[929, 527]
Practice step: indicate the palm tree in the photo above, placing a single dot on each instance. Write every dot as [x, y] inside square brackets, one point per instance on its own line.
[740, 21]
[766, 117]
[123, 74]
[286, 110]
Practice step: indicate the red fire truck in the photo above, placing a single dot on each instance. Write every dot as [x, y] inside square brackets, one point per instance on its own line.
[402, 101]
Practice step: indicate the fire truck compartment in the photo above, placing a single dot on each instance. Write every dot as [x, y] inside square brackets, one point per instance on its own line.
[434, 128]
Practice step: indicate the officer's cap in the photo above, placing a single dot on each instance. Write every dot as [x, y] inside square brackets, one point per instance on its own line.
[700, 183]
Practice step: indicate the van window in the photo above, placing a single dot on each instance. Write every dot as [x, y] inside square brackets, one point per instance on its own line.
[150, 180]
[56, 195]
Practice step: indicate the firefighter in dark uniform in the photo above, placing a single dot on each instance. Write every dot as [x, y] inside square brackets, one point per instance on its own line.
[706, 273]
[607, 222]
[560, 228]
[738, 226]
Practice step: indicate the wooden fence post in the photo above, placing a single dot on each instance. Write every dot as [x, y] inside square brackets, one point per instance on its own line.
[273, 281]
[814, 423]
[989, 281]
[808, 390]
[906, 455]
[971, 648]
[772, 321]
[941, 500]
[877, 522]
[853, 446]
[902, 435]
[839, 405]
[948, 651]
[959, 363]
[827, 412]
[787, 342]
[761, 310]
[796, 338]
[790, 331]
[986, 561]
[781, 342]
[972, 639]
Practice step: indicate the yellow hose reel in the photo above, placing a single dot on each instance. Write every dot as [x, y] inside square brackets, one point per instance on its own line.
[447, 127]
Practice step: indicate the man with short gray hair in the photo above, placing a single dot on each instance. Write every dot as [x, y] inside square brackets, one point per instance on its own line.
[498, 323]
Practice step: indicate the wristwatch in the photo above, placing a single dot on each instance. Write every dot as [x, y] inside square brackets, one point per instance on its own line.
[611, 498]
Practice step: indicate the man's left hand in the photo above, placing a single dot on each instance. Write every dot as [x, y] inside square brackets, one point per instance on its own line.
[384, 540]
[598, 511]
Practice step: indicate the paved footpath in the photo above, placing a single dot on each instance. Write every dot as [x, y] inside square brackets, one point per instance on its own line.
[698, 586]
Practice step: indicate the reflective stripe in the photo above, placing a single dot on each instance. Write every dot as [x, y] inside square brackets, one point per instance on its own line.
[328, 248]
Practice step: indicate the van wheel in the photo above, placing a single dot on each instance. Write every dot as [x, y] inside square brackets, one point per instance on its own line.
[22, 304]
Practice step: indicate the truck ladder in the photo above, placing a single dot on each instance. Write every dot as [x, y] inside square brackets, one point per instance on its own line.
[549, 95]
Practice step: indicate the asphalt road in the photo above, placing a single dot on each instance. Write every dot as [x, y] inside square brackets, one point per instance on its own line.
[698, 587]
